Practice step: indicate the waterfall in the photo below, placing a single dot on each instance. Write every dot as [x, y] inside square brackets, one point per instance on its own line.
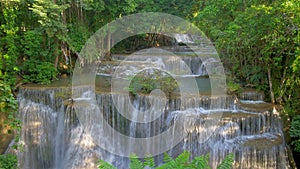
[183, 38]
[53, 137]
[196, 65]
[252, 96]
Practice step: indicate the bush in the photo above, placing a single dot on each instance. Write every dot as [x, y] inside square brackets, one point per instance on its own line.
[144, 83]
[38, 72]
[8, 161]
[295, 133]
[233, 88]
[9, 106]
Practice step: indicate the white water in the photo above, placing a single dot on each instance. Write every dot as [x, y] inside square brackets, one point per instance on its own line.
[187, 67]
[184, 38]
[53, 138]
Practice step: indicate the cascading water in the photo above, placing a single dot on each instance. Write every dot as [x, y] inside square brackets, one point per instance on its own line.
[61, 132]
[197, 65]
[53, 137]
[183, 38]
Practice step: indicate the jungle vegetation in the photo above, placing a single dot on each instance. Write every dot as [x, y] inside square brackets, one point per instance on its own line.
[258, 42]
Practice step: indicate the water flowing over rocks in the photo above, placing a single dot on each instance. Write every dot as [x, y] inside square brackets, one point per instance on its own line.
[53, 137]
[66, 128]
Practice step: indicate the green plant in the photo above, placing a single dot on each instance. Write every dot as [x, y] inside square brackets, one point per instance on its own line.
[105, 165]
[38, 72]
[181, 162]
[7, 101]
[233, 88]
[9, 47]
[9, 106]
[8, 161]
[295, 133]
[143, 83]
[31, 44]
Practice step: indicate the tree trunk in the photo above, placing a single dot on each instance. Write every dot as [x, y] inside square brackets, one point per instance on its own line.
[270, 85]
[56, 62]
[282, 88]
[65, 52]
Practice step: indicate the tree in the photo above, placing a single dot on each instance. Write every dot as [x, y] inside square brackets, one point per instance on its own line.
[9, 41]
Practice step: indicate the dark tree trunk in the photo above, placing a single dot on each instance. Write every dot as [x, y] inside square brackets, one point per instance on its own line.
[270, 85]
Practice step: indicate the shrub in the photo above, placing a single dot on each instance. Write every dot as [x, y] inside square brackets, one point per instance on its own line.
[8, 161]
[38, 72]
[233, 88]
[144, 83]
[9, 106]
[295, 133]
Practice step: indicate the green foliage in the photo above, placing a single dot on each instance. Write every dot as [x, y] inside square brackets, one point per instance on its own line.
[33, 41]
[135, 162]
[141, 85]
[105, 165]
[8, 161]
[144, 83]
[202, 162]
[142, 41]
[149, 162]
[227, 162]
[38, 72]
[77, 36]
[7, 100]
[50, 18]
[181, 162]
[9, 51]
[252, 36]
[233, 88]
[9, 106]
[295, 133]
[167, 158]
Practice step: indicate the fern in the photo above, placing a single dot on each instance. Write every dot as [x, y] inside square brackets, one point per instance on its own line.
[227, 162]
[167, 158]
[149, 162]
[105, 165]
[135, 163]
[201, 162]
[181, 162]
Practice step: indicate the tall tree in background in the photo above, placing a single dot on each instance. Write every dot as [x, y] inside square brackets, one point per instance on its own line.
[52, 18]
[9, 41]
[258, 40]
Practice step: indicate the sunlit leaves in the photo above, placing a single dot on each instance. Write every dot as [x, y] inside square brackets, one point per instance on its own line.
[50, 16]
[9, 41]
[38, 71]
